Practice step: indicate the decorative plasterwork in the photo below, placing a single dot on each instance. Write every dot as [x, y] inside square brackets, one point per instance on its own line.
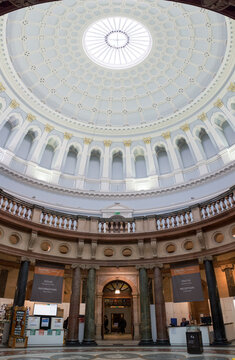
[182, 50]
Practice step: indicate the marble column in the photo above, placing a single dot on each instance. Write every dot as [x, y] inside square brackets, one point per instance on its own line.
[73, 323]
[151, 164]
[105, 169]
[37, 153]
[229, 117]
[13, 105]
[174, 159]
[216, 311]
[20, 134]
[62, 152]
[83, 161]
[145, 322]
[21, 283]
[228, 270]
[129, 172]
[212, 131]
[160, 309]
[3, 281]
[89, 331]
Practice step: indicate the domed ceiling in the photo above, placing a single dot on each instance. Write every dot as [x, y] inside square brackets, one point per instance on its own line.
[53, 73]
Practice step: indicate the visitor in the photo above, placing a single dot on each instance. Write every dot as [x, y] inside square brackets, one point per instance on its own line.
[106, 322]
[184, 322]
[122, 325]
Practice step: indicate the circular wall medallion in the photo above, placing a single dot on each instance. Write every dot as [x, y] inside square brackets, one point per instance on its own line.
[233, 232]
[188, 245]
[170, 248]
[127, 252]
[117, 42]
[45, 246]
[14, 239]
[219, 237]
[108, 252]
[63, 249]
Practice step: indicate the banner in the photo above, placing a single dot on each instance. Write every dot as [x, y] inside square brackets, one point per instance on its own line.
[47, 282]
[186, 282]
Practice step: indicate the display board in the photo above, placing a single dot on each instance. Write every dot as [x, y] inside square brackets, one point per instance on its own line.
[45, 309]
[18, 328]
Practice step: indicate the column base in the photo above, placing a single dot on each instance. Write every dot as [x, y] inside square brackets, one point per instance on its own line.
[146, 343]
[162, 342]
[72, 343]
[89, 343]
[220, 343]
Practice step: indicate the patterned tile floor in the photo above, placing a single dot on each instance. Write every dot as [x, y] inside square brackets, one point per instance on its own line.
[116, 353]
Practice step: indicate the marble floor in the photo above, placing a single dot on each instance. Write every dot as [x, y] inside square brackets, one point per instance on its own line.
[116, 353]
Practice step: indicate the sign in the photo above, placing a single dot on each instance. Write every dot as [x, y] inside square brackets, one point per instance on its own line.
[186, 282]
[48, 283]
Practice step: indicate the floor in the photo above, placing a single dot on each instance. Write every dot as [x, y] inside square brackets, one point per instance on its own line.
[116, 353]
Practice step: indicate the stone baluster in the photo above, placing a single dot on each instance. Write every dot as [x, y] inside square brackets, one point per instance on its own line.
[174, 159]
[61, 153]
[36, 155]
[105, 170]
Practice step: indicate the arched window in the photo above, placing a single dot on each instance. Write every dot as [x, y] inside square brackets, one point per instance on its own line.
[185, 153]
[117, 166]
[140, 164]
[163, 160]
[26, 145]
[228, 133]
[5, 133]
[94, 165]
[48, 154]
[207, 145]
[71, 161]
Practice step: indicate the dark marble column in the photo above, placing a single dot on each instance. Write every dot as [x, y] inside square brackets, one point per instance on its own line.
[216, 312]
[3, 281]
[145, 325]
[228, 270]
[160, 310]
[21, 283]
[73, 323]
[89, 331]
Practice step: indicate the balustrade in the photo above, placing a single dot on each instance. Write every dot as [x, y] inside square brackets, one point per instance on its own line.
[174, 220]
[116, 226]
[59, 221]
[16, 208]
[217, 206]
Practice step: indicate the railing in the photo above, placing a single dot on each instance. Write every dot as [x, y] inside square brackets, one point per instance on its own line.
[117, 224]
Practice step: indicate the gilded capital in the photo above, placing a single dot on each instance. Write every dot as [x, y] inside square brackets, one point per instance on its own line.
[48, 128]
[185, 127]
[87, 141]
[107, 143]
[147, 140]
[202, 117]
[67, 136]
[219, 103]
[227, 266]
[30, 117]
[127, 142]
[2, 88]
[166, 135]
[231, 87]
[14, 104]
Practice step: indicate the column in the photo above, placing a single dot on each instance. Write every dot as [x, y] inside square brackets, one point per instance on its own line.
[136, 322]
[21, 283]
[3, 281]
[105, 170]
[217, 316]
[199, 157]
[13, 105]
[151, 164]
[228, 270]
[129, 173]
[99, 320]
[212, 131]
[83, 162]
[73, 323]
[160, 310]
[36, 156]
[89, 331]
[174, 160]
[15, 139]
[61, 152]
[219, 104]
[145, 323]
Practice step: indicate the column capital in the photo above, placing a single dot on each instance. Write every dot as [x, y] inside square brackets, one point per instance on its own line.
[107, 143]
[28, 259]
[166, 135]
[185, 127]
[75, 266]
[203, 258]
[127, 142]
[87, 141]
[146, 266]
[67, 136]
[2, 88]
[158, 265]
[88, 267]
[147, 140]
[48, 128]
[231, 87]
[30, 117]
[202, 117]
[227, 266]
[14, 104]
[219, 103]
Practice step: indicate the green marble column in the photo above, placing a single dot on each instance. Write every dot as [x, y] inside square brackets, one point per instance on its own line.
[89, 331]
[145, 325]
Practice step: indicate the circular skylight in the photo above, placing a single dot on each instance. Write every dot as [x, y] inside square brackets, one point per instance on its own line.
[117, 42]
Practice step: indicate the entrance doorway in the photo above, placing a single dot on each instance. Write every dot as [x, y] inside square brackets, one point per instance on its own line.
[117, 311]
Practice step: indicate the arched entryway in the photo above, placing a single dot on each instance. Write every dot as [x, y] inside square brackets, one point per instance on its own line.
[117, 311]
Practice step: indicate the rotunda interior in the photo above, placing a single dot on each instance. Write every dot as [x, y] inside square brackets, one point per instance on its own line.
[117, 155]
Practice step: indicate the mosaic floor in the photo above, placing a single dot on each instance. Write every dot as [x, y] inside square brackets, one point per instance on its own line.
[115, 353]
